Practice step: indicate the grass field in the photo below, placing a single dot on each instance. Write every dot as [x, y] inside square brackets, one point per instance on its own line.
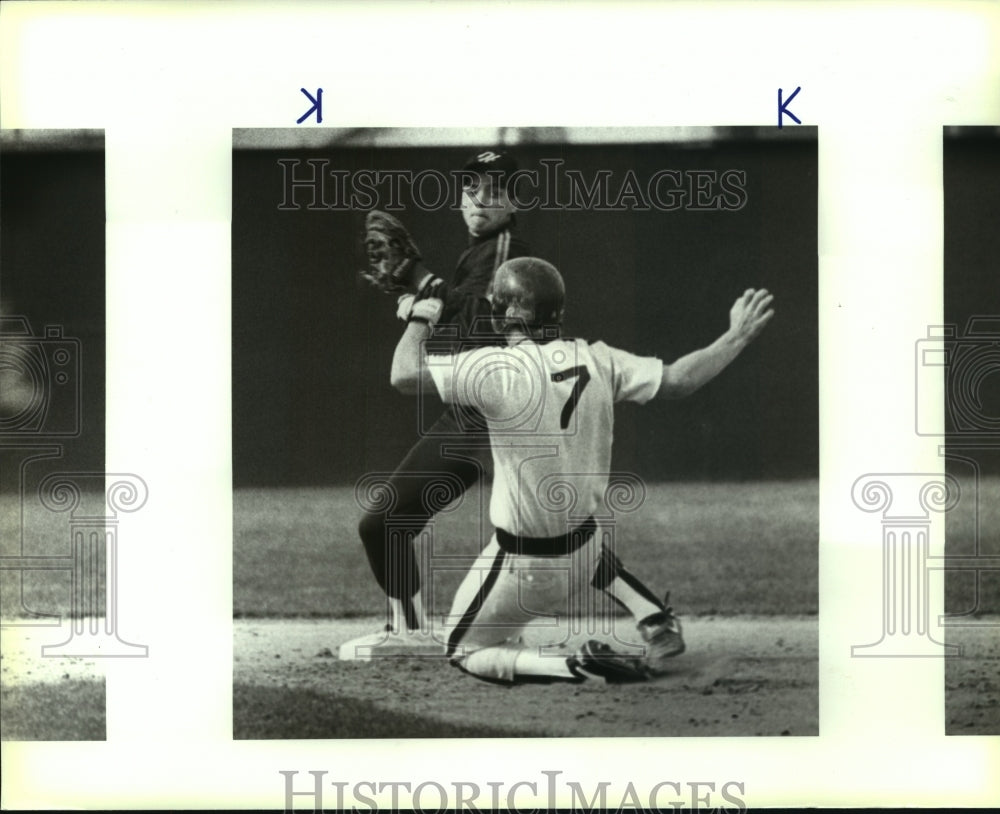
[720, 548]
[741, 561]
[71, 710]
[723, 550]
[43, 533]
[973, 527]
[728, 552]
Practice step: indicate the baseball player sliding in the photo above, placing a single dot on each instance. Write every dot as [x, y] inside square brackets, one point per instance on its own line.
[452, 453]
[548, 402]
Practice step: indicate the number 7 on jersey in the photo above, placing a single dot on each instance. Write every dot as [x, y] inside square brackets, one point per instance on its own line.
[583, 375]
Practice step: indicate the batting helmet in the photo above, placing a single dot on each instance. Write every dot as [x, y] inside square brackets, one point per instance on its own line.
[527, 293]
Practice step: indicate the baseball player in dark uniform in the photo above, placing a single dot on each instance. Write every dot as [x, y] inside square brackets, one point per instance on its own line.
[548, 402]
[454, 451]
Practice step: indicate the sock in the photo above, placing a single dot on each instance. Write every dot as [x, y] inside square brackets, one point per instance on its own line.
[624, 587]
[639, 604]
[407, 614]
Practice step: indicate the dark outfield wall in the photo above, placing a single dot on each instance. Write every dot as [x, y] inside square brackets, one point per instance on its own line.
[972, 289]
[52, 272]
[972, 225]
[311, 348]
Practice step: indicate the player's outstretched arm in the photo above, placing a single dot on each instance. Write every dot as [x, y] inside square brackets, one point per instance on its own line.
[409, 366]
[747, 318]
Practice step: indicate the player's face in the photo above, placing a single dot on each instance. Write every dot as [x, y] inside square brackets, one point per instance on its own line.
[485, 207]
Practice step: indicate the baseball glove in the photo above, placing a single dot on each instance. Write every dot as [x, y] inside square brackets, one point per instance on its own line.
[392, 254]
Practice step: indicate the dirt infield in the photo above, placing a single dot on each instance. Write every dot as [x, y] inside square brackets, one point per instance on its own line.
[33, 686]
[972, 682]
[739, 676]
[21, 662]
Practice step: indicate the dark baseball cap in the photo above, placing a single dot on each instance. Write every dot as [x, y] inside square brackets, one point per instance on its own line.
[494, 162]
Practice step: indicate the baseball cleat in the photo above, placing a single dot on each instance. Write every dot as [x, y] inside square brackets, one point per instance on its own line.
[662, 634]
[387, 643]
[595, 658]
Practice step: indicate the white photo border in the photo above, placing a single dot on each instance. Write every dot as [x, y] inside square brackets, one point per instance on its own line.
[168, 83]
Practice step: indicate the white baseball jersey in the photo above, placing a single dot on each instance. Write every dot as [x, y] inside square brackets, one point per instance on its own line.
[549, 408]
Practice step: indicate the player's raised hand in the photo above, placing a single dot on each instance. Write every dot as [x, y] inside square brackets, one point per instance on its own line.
[750, 313]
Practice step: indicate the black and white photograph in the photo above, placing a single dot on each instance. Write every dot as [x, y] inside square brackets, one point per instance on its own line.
[498, 406]
[394, 553]
[53, 576]
[963, 350]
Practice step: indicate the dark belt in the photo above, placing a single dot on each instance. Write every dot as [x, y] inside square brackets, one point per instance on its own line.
[548, 546]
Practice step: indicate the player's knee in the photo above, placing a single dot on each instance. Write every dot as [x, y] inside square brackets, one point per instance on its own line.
[371, 529]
